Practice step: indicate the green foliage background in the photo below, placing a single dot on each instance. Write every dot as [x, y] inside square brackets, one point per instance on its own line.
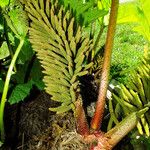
[13, 26]
[128, 45]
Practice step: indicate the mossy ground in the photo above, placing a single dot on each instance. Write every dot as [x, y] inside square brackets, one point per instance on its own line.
[39, 129]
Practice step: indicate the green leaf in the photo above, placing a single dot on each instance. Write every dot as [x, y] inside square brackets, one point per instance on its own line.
[19, 76]
[4, 3]
[61, 109]
[93, 14]
[136, 11]
[104, 4]
[4, 51]
[127, 12]
[1, 85]
[58, 67]
[11, 38]
[143, 15]
[1, 23]
[39, 84]
[17, 20]
[20, 92]
[84, 12]
[26, 53]
[37, 75]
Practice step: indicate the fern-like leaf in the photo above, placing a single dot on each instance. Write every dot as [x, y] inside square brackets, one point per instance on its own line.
[135, 97]
[61, 49]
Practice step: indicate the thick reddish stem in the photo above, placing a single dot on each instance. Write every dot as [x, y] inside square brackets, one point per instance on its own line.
[97, 118]
[107, 141]
[97, 141]
[82, 125]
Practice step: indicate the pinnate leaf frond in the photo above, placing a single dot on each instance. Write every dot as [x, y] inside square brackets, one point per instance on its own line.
[61, 49]
[134, 97]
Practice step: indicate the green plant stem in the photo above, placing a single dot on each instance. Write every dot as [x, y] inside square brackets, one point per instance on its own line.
[8, 42]
[6, 87]
[98, 115]
[122, 129]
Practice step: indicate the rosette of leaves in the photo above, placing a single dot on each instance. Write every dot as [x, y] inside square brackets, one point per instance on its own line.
[133, 97]
[61, 49]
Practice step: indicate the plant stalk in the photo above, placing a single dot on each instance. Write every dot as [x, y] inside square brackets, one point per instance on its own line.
[6, 87]
[122, 129]
[8, 42]
[100, 105]
[82, 124]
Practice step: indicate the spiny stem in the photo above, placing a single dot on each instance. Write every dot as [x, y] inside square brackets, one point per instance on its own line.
[6, 87]
[122, 129]
[97, 118]
[82, 125]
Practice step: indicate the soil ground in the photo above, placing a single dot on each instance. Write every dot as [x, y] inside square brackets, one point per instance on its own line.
[31, 126]
[34, 127]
